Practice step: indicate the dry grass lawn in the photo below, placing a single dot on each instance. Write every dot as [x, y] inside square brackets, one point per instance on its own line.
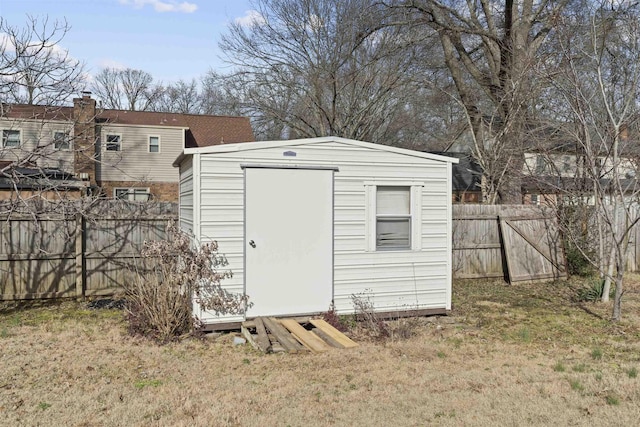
[524, 354]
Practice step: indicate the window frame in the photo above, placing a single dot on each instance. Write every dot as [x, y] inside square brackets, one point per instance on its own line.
[4, 139]
[415, 211]
[394, 217]
[67, 140]
[131, 192]
[106, 141]
[149, 144]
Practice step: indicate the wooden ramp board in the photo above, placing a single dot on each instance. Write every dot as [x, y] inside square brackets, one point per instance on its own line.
[335, 334]
[293, 335]
[259, 340]
[283, 336]
[306, 338]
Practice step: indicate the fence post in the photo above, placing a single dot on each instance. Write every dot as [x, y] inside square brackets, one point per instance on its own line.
[79, 247]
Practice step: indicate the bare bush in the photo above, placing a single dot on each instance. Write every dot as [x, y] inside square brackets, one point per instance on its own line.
[160, 300]
[333, 318]
[367, 317]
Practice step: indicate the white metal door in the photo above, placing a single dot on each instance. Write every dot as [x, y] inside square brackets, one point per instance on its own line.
[288, 240]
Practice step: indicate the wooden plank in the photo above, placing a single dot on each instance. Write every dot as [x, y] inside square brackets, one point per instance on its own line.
[79, 251]
[249, 336]
[308, 339]
[327, 338]
[255, 339]
[262, 339]
[282, 335]
[333, 332]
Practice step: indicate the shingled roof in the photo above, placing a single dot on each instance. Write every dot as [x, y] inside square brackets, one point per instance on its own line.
[201, 130]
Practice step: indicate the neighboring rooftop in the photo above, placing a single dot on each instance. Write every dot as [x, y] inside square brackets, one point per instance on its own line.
[201, 130]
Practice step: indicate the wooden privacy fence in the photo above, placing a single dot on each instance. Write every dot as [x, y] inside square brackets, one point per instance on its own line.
[77, 256]
[508, 241]
[61, 256]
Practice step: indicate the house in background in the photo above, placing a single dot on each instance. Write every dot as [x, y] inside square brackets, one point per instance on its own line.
[116, 153]
[553, 166]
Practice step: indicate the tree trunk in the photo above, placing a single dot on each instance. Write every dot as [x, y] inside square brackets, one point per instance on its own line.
[617, 298]
[606, 288]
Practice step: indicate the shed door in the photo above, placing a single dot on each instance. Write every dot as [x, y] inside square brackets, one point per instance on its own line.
[288, 240]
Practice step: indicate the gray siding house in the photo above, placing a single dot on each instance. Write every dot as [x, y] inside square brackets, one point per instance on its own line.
[115, 153]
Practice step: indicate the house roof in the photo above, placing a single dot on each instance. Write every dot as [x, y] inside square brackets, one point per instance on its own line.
[467, 174]
[230, 148]
[201, 130]
[31, 177]
[36, 112]
[571, 185]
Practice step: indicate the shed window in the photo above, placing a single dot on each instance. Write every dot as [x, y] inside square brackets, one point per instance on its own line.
[393, 218]
[113, 142]
[10, 138]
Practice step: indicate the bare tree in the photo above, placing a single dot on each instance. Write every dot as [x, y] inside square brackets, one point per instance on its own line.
[219, 95]
[126, 89]
[34, 69]
[321, 67]
[179, 97]
[491, 50]
[596, 76]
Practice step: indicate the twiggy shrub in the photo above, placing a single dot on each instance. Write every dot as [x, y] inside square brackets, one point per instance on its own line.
[160, 299]
[367, 318]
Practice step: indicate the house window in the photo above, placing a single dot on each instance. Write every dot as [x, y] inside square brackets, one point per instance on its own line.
[132, 194]
[393, 218]
[61, 141]
[154, 144]
[10, 138]
[113, 142]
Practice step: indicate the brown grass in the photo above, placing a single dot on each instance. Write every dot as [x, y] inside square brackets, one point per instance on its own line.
[514, 355]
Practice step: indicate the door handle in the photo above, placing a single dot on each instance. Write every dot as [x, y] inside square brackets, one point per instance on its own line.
[252, 243]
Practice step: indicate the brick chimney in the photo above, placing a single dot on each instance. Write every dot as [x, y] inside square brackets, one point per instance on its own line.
[84, 131]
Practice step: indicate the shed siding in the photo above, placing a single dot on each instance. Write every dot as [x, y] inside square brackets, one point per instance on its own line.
[392, 280]
[186, 196]
[135, 155]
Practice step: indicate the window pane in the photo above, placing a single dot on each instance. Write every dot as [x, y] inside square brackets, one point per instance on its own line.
[140, 195]
[121, 193]
[61, 141]
[393, 233]
[154, 144]
[392, 201]
[11, 138]
[113, 143]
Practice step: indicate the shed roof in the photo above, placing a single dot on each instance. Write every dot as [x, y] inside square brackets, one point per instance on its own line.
[258, 145]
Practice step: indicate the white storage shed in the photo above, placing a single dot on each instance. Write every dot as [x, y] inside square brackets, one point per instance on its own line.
[308, 223]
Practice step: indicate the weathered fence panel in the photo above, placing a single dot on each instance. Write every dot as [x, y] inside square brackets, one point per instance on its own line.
[533, 248]
[75, 256]
[516, 242]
